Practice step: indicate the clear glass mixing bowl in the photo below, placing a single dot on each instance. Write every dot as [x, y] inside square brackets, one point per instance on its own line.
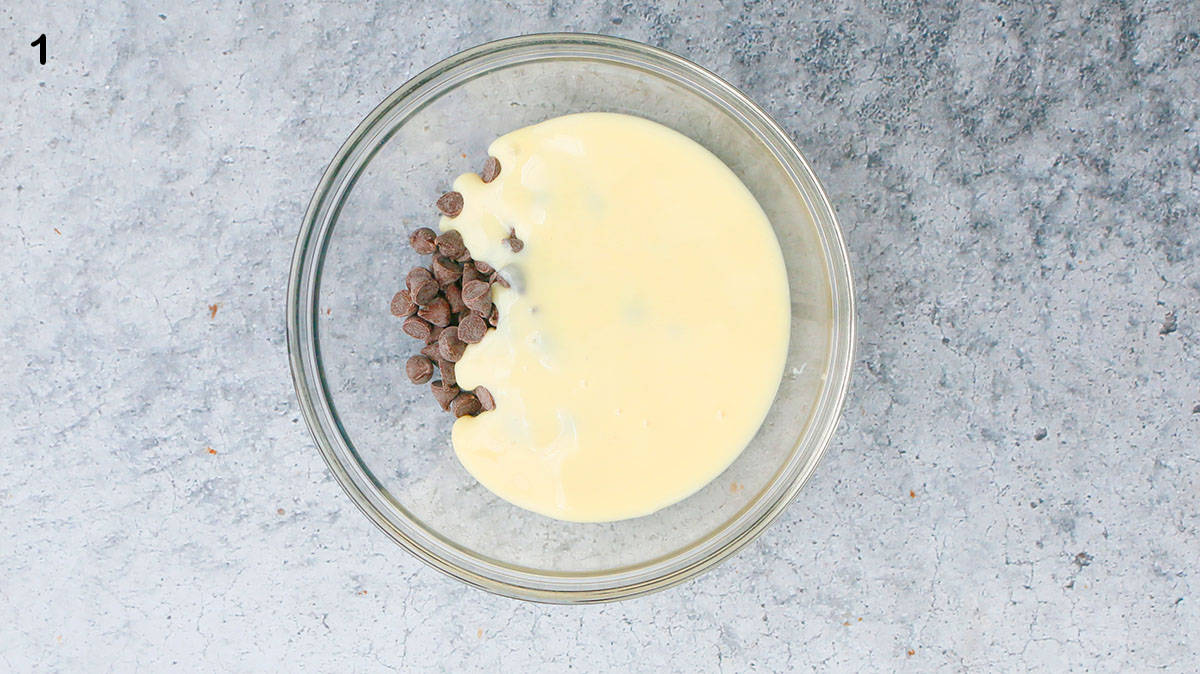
[385, 440]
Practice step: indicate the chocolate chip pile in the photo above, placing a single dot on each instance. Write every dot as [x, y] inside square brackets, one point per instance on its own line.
[448, 305]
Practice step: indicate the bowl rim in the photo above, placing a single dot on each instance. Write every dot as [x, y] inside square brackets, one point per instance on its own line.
[325, 427]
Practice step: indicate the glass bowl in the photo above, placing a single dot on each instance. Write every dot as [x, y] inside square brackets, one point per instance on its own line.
[386, 441]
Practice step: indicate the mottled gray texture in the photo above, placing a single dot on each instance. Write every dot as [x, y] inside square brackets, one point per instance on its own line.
[1015, 484]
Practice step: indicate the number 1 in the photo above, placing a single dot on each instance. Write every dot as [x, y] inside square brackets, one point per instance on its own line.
[40, 42]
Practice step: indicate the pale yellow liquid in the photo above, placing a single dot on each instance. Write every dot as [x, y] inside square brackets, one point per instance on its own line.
[649, 335]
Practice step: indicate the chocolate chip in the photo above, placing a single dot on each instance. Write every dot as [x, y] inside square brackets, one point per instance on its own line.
[402, 304]
[430, 351]
[446, 270]
[450, 203]
[447, 369]
[481, 306]
[435, 331]
[450, 347]
[513, 242]
[484, 268]
[499, 280]
[465, 404]
[416, 327]
[494, 317]
[491, 169]
[451, 244]
[477, 295]
[421, 285]
[470, 273]
[419, 369]
[454, 296]
[443, 393]
[422, 241]
[417, 275]
[472, 328]
[437, 312]
[486, 401]
[426, 292]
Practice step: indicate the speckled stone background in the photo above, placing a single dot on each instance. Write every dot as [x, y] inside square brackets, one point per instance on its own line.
[1016, 482]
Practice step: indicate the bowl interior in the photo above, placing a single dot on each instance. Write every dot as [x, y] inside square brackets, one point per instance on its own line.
[390, 432]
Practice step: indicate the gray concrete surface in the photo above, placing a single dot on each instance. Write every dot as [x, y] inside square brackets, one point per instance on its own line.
[1014, 485]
